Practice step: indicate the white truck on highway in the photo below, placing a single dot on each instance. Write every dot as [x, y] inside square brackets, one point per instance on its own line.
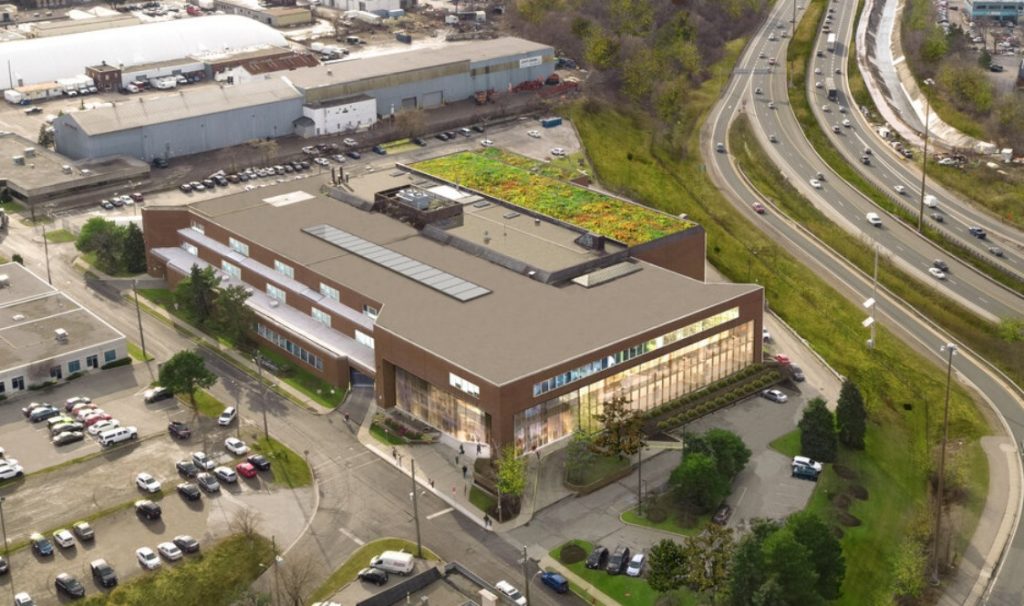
[830, 42]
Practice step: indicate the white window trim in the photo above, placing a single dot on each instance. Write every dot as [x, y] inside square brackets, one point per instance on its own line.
[238, 246]
[364, 339]
[283, 268]
[330, 292]
[320, 316]
[463, 385]
[274, 292]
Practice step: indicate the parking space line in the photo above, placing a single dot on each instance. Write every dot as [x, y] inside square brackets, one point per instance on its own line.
[440, 513]
[347, 533]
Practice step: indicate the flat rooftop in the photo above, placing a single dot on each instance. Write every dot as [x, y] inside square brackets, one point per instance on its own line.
[45, 169]
[31, 310]
[519, 327]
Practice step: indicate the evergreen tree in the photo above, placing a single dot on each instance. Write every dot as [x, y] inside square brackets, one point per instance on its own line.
[666, 566]
[196, 295]
[698, 482]
[851, 416]
[826, 553]
[133, 249]
[818, 432]
[623, 428]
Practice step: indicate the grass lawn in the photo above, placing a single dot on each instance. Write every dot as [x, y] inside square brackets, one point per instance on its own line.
[215, 577]
[386, 437]
[788, 444]
[207, 404]
[483, 501]
[289, 467]
[136, 352]
[358, 560]
[402, 145]
[160, 296]
[318, 390]
[600, 467]
[621, 588]
[671, 524]
[60, 236]
[11, 207]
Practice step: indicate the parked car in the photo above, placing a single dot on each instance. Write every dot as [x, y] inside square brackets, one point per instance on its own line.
[64, 539]
[103, 573]
[441, 136]
[207, 483]
[84, 531]
[558, 151]
[353, 154]
[636, 565]
[235, 446]
[43, 413]
[722, 514]
[774, 395]
[805, 472]
[69, 585]
[40, 544]
[419, 141]
[97, 428]
[147, 558]
[226, 417]
[246, 470]
[259, 462]
[202, 461]
[598, 558]
[147, 482]
[10, 469]
[70, 402]
[373, 575]
[513, 594]
[22, 598]
[148, 509]
[225, 474]
[169, 550]
[186, 543]
[187, 468]
[618, 561]
[555, 581]
[68, 437]
[189, 491]
[797, 373]
[349, 142]
[179, 430]
[379, 149]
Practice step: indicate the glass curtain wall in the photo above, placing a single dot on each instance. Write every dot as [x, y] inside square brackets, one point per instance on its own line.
[439, 408]
[645, 385]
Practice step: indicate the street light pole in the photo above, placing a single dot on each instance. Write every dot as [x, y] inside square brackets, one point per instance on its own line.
[416, 510]
[3, 525]
[951, 349]
[924, 163]
[46, 253]
[526, 575]
[263, 386]
[138, 315]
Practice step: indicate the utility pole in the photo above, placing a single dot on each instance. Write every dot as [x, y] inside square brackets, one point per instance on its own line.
[263, 386]
[951, 349]
[416, 510]
[138, 315]
[46, 253]
[924, 164]
[639, 482]
[3, 525]
[526, 575]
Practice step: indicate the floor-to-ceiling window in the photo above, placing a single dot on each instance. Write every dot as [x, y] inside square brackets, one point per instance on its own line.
[451, 414]
[645, 385]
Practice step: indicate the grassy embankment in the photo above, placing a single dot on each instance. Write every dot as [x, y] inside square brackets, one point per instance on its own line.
[359, 559]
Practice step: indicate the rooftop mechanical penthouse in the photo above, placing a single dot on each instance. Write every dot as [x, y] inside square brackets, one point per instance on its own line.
[494, 322]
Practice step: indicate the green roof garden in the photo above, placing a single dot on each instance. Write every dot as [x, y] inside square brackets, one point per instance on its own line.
[535, 186]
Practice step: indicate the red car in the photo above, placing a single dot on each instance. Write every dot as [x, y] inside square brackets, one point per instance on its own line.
[246, 470]
[96, 418]
[758, 208]
[782, 359]
[136, 196]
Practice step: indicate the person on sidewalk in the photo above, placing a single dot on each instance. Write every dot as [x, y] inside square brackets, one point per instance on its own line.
[464, 470]
[487, 521]
[394, 453]
[462, 450]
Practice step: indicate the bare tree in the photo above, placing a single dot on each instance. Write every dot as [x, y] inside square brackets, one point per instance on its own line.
[410, 122]
[246, 521]
[295, 578]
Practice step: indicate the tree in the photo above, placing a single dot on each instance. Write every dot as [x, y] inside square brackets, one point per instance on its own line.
[296, 578]
[46, 136]
[818, 432]
[101, 237]
[246, 522]
[410, 122]
[748, 569]
[186, 372]
[725, 447]
[825, 552]
[578, 456]
[511, 472]
[623, 428]
[985, 58]
[18, 259]
[698, 482]
[234, 316]
[196, 294]
[133, 249]
[851, 417]
[709, 557]
[790, 568]
[666, 564]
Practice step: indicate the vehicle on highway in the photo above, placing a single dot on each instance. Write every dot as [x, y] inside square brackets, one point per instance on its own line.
[147, 558]
[773, 139]
[900, 189]
[373, 575]
[186, 543]
[766, 336]
[937, 273]
[772, 61]
[874, 219]
[84, 531]
[775, 396]
[188, 491]
[847, 123]
[235, 446]
[555, 581]
[720, 148]
[836, 129]
[147, 483]
[64, 539]
[771, 105]
[202, 461]
[826, 108]
[722, 514]
[995, 250]
[207, 482]
[246, 470]
[636, 565]
[940, 264]
[69, 586]
[40, 544]
[937, 217]
[103, 573]
[817, 70]
[977, 232]
[815, 184]
[225, 474]
[169, 550]
[758, 91]
[598, 558]
[513, 594]
[618, 561]
[842, 109]
[758, 208]
[259, 462]
[226, 417]
[817, 84]
[931, 201]
[148, 509]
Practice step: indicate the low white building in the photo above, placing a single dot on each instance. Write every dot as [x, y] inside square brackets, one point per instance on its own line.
[46, 336]
[370, 6]
[342, 115]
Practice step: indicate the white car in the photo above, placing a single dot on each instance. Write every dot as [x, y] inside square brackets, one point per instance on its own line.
[817, 84]
[534, 133]
[847, 123]
[350, 142]
[766, 336]
[558, 151]
[937, 273]
[23, 599]
[817, 70]
[900, 189]
[842, 109]
[487, 143]
[774, 395]
[202, 461]
[12, 470]
[874, 219]
[147, 558]
[771, 105]
[815, 184]
[227, 416]
[225, 474]
[102, 426]
[63, 538]
[636, 565]
[236, 446]
[169, 550]
[506, 588]
[147, 482]
[826, 108]
[70, 402]
[809, 462]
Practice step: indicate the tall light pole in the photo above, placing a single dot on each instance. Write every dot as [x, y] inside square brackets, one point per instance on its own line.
[924, 163]
[7, 554]
[416, 510]
[258, 360]
[950, 350]
[46, 253]
[138, 315]
[526, 575]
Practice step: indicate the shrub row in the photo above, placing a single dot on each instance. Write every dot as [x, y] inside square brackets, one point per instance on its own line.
[681, 403]
[125, 361]
[721, 401]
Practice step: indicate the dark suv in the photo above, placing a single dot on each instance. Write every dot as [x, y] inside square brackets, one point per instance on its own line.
[103, 573]
[598, 558]
[618, 560]
[179, 430]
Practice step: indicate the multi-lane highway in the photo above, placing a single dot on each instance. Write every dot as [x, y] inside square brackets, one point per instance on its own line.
[793, 154]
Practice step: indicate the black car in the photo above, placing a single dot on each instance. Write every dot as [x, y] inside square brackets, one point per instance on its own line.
[185, 188]
[186, 543]
[373, 575]
[68, 437]
[478, 128]
[208, 183]
[41, 545]
[103, 573]
[618, 560]
[419, 141]
[353, 154]
[160, 163]
[148, 509]
[259, 462]
[441, 136]
[797, 373]
[977, 232]
[940, 264]
[179, 430]
[187, 468]
[722, 515]
[189, 491]
[450, 133]
[598, 558]
[379, 149]
[4, 566]
[69, 585]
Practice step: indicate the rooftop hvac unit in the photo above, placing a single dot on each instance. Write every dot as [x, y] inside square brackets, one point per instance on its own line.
[5, 281]
[274, 302]
[19, 160]
[30, 152]
[86, 172]
[415, 198]
[66, 169]
[61, 335]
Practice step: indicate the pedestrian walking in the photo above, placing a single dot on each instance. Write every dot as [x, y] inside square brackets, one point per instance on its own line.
[464, 470]
[346, 418]
[394, 453]
[487, 521]
[462, 450]
[431, 483]
[478, 448]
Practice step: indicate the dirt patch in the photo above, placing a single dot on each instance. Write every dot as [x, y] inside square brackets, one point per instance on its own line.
[838, 533]
[847, 519]
[571, 554]
[657, 515]
[858, 491]
[842, 501]
[844, 472]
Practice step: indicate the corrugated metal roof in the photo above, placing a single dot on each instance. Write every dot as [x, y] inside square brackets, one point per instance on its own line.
[187, 104]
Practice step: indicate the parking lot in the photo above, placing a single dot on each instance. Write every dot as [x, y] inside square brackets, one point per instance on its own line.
[104, 482]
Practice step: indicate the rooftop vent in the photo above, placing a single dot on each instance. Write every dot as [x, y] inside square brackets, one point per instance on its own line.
[19, 160]
[61, 335]
[5, 281]
[18, 317]
[274, 302]
[30, 152]
[415, 198]
[66, 169]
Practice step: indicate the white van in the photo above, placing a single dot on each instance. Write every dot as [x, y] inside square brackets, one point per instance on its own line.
[931, 201]
[118, 435]
[874, 219]
[397, 562]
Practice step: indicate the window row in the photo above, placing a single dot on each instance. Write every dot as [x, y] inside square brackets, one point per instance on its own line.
[296, 350]
[447, 412]
[57, 371]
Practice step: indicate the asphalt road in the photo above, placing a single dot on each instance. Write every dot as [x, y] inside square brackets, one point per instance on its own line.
[841, 202]
[361, 497]
[853, 284]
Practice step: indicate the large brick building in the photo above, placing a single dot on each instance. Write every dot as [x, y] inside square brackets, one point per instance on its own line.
[488, 321]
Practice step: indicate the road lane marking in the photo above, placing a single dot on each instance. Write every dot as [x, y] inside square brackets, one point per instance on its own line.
[348, 534]
[438, 514]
